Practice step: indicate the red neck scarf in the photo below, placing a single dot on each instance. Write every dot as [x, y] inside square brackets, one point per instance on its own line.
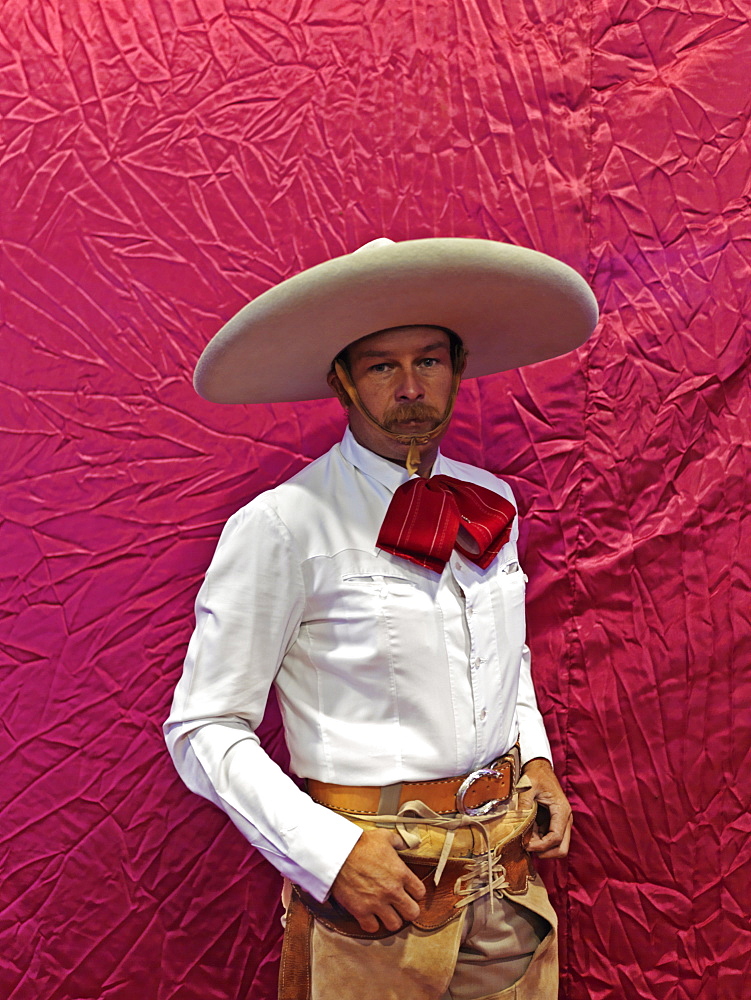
[425, 516]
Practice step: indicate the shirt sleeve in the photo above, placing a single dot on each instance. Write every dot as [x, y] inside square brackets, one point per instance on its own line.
[248, 613]
[533, 740]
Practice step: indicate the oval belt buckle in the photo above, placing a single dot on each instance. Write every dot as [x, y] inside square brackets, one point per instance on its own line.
[486, 807]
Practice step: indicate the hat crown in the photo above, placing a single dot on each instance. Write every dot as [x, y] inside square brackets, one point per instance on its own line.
[382, 241]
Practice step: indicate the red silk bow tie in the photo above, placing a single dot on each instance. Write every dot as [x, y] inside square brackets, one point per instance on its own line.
[425, 516]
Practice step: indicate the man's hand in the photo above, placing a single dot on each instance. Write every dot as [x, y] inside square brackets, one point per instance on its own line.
[552, 829]
[374, 883]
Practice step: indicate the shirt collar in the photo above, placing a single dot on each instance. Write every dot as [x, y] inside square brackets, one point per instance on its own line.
[377, 467]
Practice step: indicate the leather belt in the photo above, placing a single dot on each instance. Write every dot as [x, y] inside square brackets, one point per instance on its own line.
[474, 794]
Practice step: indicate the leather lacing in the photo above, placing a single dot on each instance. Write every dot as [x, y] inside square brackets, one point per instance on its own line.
[486, 874]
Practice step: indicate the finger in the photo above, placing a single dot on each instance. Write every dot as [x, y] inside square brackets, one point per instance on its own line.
[371, 915]
[407, 907]
[395, 916]
[544, 847]
[414, 886]
[526, 798]
[392, 913]
[545, 839]
[552, 845]
[391, 918]
[404, 898]
[566, 842]
[557, 816]
[412, 883]
[368, 923]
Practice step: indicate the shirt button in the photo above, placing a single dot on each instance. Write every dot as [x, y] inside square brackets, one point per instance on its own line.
[483, 715]
[470, 611]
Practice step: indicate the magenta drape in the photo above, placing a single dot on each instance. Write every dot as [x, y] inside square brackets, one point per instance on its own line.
[162, 163]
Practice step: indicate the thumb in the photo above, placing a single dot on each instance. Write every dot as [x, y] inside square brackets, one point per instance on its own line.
[397, 841]
[526, 792]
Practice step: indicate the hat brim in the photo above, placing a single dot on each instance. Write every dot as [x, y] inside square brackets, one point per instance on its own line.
[510, 305]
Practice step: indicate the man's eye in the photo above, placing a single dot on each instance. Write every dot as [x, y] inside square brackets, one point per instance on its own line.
[429, 362]
[382, 367]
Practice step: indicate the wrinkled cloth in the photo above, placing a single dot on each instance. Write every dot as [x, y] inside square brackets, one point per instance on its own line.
[353, 638]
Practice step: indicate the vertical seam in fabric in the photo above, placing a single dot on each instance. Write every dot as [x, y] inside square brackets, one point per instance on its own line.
[575, 654]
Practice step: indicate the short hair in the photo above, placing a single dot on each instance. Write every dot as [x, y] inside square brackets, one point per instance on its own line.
[456, 345]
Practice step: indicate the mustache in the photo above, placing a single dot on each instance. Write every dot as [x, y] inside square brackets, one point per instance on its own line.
[411, 411]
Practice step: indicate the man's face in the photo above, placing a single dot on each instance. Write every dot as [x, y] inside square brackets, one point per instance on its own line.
[404, 379]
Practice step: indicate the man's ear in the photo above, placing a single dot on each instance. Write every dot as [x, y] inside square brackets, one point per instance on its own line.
[461, 361]
[338, 389]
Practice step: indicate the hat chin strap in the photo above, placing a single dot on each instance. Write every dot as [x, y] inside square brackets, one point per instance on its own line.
[415, 442]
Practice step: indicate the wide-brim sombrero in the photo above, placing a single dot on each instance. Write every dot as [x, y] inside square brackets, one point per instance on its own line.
[510, 305]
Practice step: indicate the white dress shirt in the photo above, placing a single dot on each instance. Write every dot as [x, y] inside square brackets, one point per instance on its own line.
[385, 671]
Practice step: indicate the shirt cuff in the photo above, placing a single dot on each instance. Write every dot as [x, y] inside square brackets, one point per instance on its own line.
[313, 869]
[534, 743]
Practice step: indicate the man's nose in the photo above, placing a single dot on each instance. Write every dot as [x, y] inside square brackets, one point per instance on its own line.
[410, 387]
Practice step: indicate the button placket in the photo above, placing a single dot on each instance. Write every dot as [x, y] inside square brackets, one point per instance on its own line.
[475, 662]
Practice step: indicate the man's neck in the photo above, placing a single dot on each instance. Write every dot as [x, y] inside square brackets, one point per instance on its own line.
[423, 470]
[427, 455]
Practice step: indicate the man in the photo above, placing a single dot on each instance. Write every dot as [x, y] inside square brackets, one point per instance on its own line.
[380, 591]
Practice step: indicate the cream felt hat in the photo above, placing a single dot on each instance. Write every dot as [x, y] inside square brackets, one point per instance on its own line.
[511, 307]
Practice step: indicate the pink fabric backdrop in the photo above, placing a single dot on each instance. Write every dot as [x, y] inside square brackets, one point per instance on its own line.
[163, 163]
